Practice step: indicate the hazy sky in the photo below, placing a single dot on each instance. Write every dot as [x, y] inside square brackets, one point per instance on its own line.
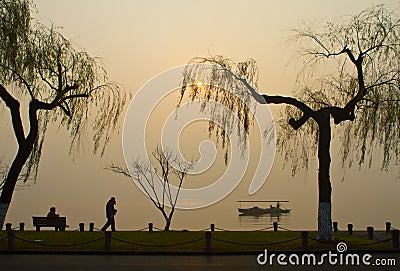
[139, 39]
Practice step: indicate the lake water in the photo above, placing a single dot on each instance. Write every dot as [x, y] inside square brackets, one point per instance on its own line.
[263, 221]
[227, 217]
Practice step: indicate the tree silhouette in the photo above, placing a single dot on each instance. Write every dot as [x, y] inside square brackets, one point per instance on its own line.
[156, 182]
[362, 98]
[60, 84]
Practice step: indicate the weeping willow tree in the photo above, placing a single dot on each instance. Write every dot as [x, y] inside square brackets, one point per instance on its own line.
[361, 99]
[60, 84]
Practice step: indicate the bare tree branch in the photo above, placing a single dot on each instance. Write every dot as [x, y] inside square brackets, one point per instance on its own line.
[169, 167]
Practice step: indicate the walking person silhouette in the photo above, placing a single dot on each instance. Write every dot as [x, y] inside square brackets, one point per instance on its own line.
[110, 213]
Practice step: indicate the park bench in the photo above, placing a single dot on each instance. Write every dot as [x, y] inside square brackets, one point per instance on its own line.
[56, 222]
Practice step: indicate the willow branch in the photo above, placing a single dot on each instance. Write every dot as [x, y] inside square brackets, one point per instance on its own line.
[65, 109]
[13, 105]
[21, 78]
[380, 44]
[307, 111]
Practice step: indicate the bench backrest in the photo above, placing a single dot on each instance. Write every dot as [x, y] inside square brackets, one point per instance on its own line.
[49, 221]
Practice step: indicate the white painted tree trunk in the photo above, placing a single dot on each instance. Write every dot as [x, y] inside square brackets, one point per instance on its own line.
[3, 213]
[325, 221]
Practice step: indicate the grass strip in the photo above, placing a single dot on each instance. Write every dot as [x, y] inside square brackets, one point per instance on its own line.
[181, 241]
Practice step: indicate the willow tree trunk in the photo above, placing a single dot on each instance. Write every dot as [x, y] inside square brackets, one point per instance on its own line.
[323, 118]
[324, 183]
[25, 147]
[11, 181]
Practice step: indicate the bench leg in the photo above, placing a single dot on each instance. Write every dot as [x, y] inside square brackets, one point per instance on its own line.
[37, 228]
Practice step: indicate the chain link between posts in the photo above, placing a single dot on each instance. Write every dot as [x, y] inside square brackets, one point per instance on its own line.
[202, 238]
[255, 244]
[165, 245]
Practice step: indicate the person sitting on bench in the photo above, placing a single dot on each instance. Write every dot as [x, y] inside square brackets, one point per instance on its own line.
[52, 213]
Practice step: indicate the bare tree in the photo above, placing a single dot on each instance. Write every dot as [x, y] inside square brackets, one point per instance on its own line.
[157, 182]
[362, 98]
[60, 84]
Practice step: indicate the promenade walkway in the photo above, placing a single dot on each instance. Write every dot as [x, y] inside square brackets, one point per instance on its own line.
[46, 262]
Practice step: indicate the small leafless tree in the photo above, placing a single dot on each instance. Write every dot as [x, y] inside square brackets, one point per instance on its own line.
[157, 182]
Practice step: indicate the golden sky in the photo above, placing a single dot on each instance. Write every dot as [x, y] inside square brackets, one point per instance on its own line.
[139, 39]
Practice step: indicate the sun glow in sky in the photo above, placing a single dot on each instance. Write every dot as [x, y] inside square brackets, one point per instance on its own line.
[199, 84]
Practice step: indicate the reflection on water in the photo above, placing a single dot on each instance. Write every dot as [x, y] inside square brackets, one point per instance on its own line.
[262, 221]
[256, 217]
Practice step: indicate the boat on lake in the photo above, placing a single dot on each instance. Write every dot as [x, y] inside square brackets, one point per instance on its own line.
[257, 211]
